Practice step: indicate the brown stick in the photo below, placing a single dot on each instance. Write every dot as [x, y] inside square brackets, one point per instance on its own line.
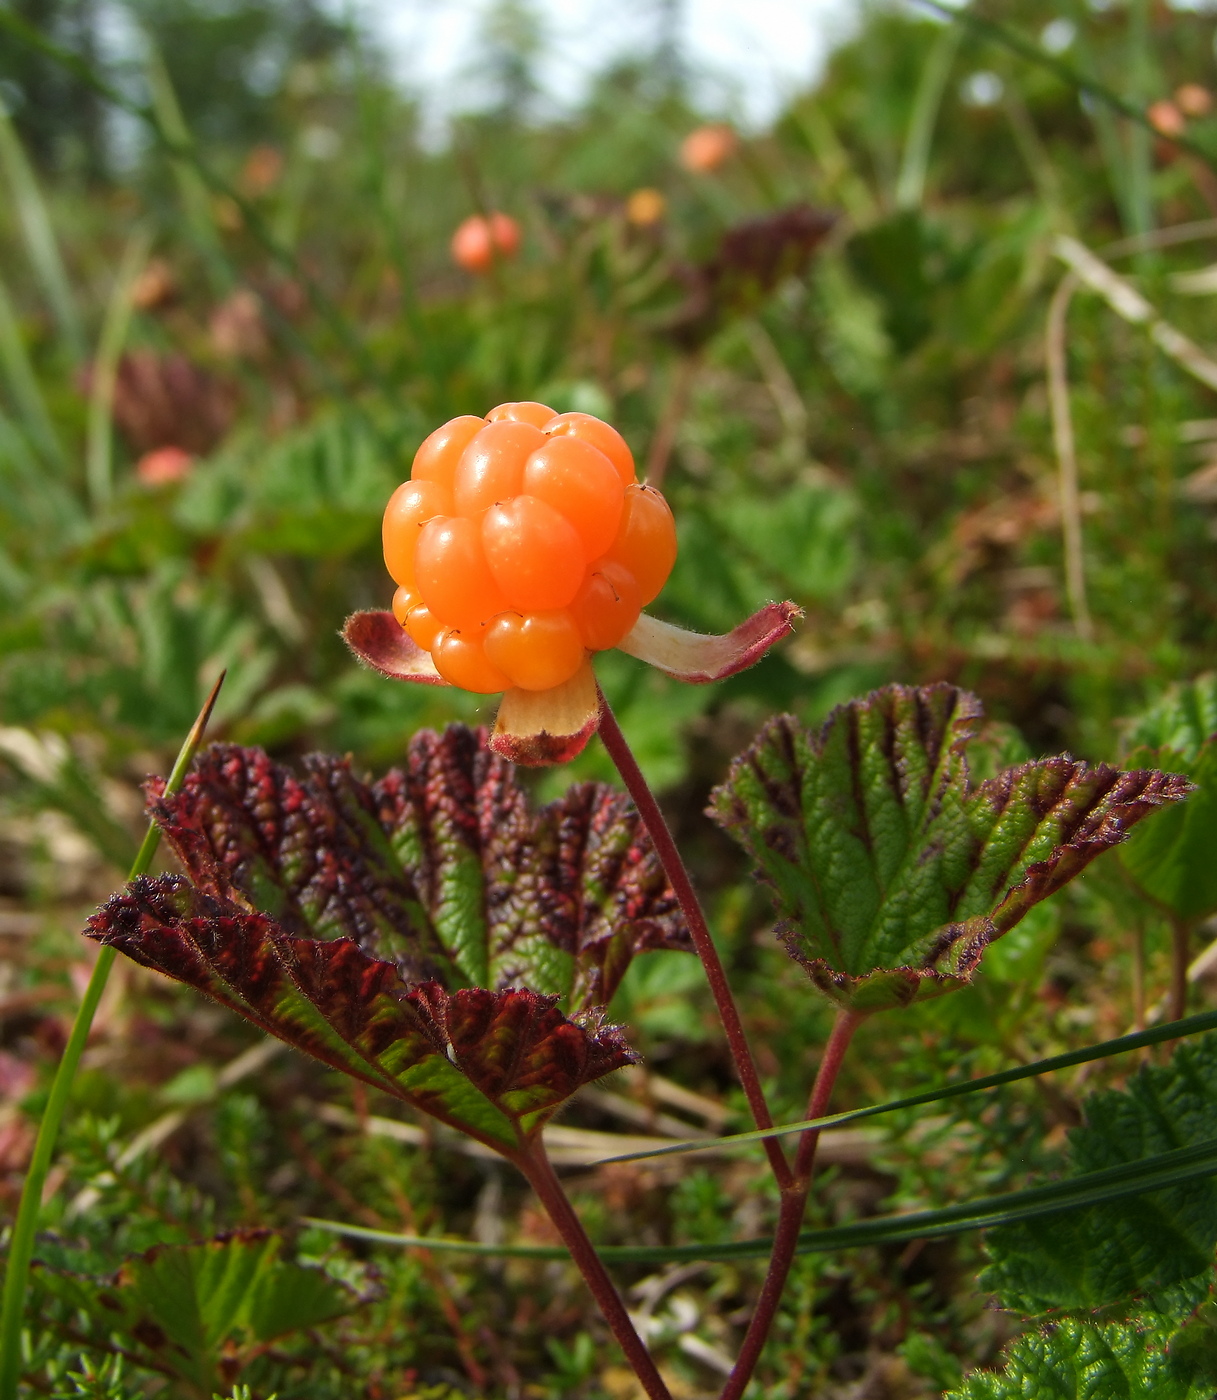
[790, 1212]
[1181, 936]
[537, 1167]
[678, 877]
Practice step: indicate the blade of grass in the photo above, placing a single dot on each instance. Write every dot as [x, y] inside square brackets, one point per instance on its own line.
[99, 465]
[910, 185]
[21, 1243]
[23, 385]
[1156, 1035]
[1114, 1183]
[40, 238]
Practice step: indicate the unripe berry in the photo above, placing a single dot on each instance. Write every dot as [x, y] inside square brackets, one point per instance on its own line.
[580, 482]
[478, 242]
[607, 605]
[492, 465]
[534, 554]
[462, 662]
[436, 459]
[600, 434]
[646, 540]
[526, 411]
[452, 574]
[410, 507]
[537, 650]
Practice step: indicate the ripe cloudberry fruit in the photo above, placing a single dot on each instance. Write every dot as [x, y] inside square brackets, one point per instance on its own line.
[521, 543]
[708, 147]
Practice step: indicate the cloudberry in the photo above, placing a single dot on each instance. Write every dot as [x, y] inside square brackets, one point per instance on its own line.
[521, 543]
[479, 242]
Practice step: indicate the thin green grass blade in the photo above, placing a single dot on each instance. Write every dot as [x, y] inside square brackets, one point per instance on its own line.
[910, 185]
[99, 465]
[23, 387]
[1172, 1030]
[40, 240]
[21, 1243]
[1130, 1179]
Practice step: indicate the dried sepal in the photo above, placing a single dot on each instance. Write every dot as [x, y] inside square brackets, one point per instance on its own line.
[890, 872]
[699, 659]
[378, 640]
[494, 1064]
[538, 728]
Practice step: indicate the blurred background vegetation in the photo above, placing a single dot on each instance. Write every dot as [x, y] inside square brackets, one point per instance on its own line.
[873, 378]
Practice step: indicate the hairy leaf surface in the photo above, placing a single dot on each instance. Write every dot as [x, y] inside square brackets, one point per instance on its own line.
[1077, 1360]
[191, 1311]
[1089, 1257]
[494, 1064]
[440, 866]
[891, 871]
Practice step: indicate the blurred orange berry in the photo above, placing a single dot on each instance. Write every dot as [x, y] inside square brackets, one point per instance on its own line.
[478, 242]
[163, 465]
[645, 207]
[155, 286]
[708, 147]
[1194, 100]
[1165, 118]
[261, 170]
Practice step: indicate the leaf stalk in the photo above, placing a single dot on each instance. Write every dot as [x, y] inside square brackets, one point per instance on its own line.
[678, 877]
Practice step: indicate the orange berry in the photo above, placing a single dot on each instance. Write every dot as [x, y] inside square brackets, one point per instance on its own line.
[423, 627]
[436, 459]
[403, 601]
[607, 605]
[479, 241]
[646, 540]
[708, 147]
[1165, 118]
[1194, 100]
[452, 573]
[461, 660]
[537, 651]
[580, 482]
[645, 207]
[492, 465]
[526, 411]
[600, 434]
[409, 509]
[534, 553]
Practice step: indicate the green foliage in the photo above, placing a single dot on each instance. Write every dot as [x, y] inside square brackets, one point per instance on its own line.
[196, 1311]
[891, 872]
[1172, 861]
[1098, 1255]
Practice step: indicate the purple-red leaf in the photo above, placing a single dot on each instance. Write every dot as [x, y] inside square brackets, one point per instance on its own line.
[440, 866]
[495, 1064]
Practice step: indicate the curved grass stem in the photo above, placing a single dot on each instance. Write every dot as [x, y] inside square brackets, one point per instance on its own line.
[21, 1243]
[678, 877]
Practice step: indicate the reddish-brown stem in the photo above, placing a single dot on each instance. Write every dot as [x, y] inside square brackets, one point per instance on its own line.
[678, 877]
[537, 1167]
[790, 1212]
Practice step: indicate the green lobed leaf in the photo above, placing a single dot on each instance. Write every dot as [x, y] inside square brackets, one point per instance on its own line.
[1101, 1253]
[1078, 1360]
[440, 866]
[1182, 720]
[892, 872]
[191, 1311]
[1174, 859]
[495, 1064]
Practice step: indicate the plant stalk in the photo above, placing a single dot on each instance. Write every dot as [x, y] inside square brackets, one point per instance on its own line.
[678, 877]
[791, 1210]
[1181, 937]
[537, 1167]
[21, 1243]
